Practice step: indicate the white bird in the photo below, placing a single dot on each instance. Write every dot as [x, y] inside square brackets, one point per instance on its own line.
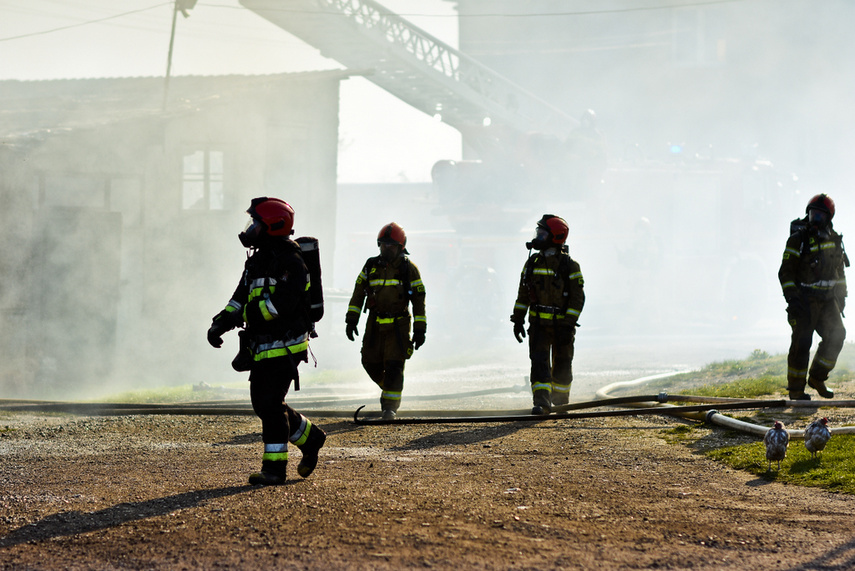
[817, 436]
[776, 441]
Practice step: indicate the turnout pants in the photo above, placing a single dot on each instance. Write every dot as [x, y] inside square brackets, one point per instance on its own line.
[385, 348]
[550, 348]
[269, 381]
[822, 317]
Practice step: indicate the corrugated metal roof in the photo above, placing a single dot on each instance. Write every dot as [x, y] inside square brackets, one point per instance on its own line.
[33, 109]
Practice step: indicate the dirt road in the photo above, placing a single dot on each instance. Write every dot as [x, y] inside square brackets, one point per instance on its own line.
[169, 492]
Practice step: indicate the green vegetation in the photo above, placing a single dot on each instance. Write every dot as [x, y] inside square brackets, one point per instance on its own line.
[763, 375]
[833, 469]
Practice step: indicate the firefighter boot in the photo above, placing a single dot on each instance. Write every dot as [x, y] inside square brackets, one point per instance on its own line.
[821, 389]
[560, 394]
[272, 473]
[310, 450]
[796, 388]
[542, 402]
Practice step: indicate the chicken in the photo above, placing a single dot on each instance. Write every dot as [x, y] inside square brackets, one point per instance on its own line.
[776, 441]
[817, 436]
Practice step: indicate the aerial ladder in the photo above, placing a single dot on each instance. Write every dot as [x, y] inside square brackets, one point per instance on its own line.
[489, 110]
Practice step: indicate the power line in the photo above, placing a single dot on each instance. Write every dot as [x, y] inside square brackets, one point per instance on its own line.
[86, 23]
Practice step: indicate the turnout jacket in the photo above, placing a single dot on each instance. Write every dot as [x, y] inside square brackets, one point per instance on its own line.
[813, 264]
[272, 299]
[551, 290]
[386, 289]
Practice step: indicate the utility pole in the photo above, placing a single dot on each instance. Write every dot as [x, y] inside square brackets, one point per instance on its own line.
[182, 6]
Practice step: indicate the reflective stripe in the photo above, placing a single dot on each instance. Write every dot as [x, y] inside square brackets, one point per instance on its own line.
[826, 363]
[542, 387]
[268, 311]
[576, 276]
[785, 285]
[560, 388]
[382, 283]
[415, 283]
[261, 282]
[386, 320]
[275, 452]
[300, 435]
[233, 306]
[573, 312]
[353, 308]
[796, 372]
[547, 316]
[520, 306]
[543, 272]
[389, 395]
[792, 252]
[308, 282]
[281, 348]
[823, 284]
[419, 319]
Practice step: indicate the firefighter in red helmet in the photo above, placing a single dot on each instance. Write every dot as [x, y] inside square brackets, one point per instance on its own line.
[812, 278]
[551, 291]
[386, 286]
[270, 302]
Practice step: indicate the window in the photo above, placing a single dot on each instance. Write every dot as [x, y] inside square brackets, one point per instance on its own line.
[202, 181]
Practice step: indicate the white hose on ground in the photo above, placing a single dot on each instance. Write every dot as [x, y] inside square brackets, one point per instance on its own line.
[715, 417]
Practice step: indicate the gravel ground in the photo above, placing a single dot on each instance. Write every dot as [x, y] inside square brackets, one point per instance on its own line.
[170, 492]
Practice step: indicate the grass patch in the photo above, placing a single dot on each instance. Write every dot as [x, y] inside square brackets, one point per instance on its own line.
[833, 469]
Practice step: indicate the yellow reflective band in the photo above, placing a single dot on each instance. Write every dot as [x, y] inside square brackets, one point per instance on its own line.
[792, 251]
[576, 276]
[785, 285]
[302, 434]
[573, 312]
[352, 308]
[547, 315]
[542, 387]
[257, 292]
[388, 395]
[233, 306]
[796, 372]
[560, 388]
[416, 283]
[382, 283]
[543, 272]
[265, 310]
[275, 456]
[419, 319]
[385, 320]
[826, 363]
[520, 306]
[281, 351]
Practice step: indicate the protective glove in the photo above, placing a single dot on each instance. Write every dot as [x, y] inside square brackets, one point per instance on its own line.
[418, 339]
[215, 333]
[350, 331]
[519, 331]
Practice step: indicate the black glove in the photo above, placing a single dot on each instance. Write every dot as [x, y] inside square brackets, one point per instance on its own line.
[519, 331]
[350, 331]
[796, 305]
[418, 339]
[215, 334]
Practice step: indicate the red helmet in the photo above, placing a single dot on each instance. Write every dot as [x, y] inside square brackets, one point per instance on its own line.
[556, 226]
[269, 216]
[821, 202]
[392, 233]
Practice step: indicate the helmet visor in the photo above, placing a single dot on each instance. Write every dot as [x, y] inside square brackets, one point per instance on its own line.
[817, 217]
[251, 233]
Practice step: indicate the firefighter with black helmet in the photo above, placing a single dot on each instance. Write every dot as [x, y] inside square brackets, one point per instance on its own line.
[551, 291]
[814, 285]
[271, 302]
[386, 286]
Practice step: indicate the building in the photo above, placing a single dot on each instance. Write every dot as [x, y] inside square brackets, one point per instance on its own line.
[122, 202]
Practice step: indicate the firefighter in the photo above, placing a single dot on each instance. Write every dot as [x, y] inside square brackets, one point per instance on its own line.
[551, 290]
[271, 301]
[812, 278]
[387, 285]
